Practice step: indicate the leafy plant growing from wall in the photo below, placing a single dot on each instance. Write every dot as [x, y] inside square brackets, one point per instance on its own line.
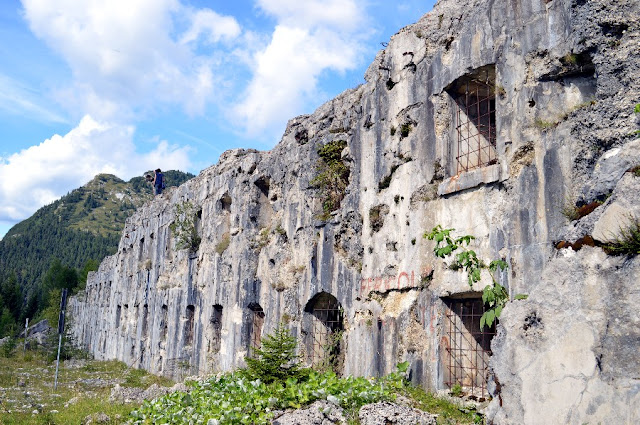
[184, 226]
[332, 176]
[494, 296]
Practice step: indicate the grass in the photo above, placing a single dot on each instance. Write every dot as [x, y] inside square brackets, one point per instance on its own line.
[448, 412]
[545, 125]
[573, 212]
[27, 380]
[628, 241]
[405, 129]
[264, 237]
[223, 244]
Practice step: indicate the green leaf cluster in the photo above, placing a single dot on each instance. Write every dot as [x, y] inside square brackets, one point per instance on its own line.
[494, 296]
[332, 176]
[184, 226]
[235, 399]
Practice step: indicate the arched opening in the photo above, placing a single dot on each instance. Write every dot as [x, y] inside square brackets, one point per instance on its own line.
[224, 204]
[326, 331]
[256, 318]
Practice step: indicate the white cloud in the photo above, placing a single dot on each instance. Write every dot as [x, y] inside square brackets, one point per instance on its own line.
[345, 15]
[311, 37]
[285, 79]
[132, 57]
[40, 174]
[212, 26]
[122, 52]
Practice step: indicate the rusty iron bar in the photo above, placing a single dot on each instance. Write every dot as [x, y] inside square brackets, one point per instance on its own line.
[477, 134]
[328, 323]
[468, 348]
[256, 329]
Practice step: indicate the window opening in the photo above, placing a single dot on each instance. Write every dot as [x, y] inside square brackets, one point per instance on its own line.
[475, 119]
[257, 321]
[327, 330]
[216, 329]
[118, 313]
[145, 320]
[164, 326]
[467, 348]
[188, 326]
[125, 317]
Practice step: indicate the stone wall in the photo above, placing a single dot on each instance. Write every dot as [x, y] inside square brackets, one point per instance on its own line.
[562, 78]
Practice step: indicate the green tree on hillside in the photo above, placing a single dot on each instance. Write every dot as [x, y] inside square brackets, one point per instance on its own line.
[276, 359]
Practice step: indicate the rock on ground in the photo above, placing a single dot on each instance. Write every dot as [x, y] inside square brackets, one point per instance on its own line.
[96, 418]
[319, 413]
[138, 395]
[385, 413]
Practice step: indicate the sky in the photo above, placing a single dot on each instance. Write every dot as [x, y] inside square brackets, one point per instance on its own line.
[125, 86]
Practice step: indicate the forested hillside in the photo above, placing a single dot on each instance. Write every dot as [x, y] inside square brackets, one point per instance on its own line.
[73, 233]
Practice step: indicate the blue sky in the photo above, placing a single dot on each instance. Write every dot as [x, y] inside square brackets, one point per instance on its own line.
[89, 86]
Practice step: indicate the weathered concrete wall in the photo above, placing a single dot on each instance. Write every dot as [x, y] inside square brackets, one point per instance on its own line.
[565, 78]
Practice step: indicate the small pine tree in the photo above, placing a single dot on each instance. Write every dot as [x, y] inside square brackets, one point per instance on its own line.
[276, 359]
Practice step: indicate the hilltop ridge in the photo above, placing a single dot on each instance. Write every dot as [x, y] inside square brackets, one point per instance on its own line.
[83, 225]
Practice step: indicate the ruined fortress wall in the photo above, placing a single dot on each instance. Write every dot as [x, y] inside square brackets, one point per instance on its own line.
[361, 288]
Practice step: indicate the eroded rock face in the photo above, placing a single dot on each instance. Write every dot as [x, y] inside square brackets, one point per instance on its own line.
[556, 83]
[574, 345]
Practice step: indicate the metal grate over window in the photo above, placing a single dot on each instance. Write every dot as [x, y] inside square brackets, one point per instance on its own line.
[467, 349]
[327, 330]
[257, 321]
[475, 120]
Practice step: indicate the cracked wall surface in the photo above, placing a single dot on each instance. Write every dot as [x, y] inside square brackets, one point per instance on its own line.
[566, 82]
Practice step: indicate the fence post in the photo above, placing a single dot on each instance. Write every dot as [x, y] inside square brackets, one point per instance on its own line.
[63, 306]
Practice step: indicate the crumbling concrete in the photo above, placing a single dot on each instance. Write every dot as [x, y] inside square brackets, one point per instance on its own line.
[564, 74]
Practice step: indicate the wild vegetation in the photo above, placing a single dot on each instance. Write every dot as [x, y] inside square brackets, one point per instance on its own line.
[274, 381]
[494, 296]
[628, 240]
[184, 226]
[332, 176]
[27, 395]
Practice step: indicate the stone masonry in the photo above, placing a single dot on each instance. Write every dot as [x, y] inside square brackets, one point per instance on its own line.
[499, 118]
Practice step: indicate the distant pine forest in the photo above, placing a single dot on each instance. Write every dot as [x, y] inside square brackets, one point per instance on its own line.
[57, 246]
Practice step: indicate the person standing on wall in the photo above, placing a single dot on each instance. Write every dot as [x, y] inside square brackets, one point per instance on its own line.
[158, 182]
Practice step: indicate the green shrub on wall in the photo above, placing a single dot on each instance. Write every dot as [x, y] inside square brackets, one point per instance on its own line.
[332, 176]
[184, 226]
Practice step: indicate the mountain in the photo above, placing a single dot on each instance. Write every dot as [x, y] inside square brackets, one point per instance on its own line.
[83, 225]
